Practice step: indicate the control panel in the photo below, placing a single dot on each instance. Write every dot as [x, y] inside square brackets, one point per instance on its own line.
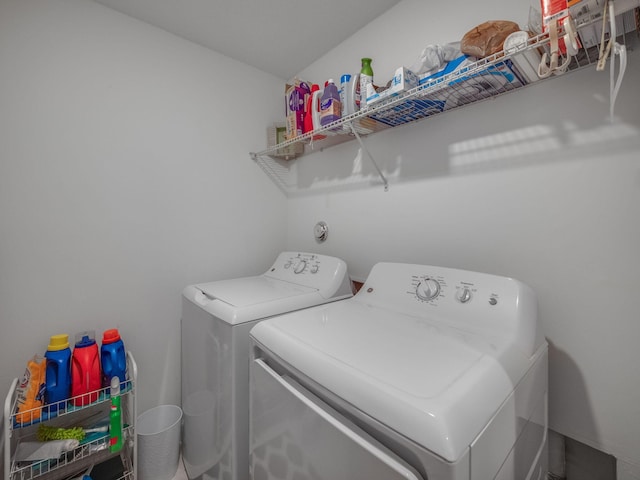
[302, 262]
[430, 288]
[450, 295]
[456, 301]
[310, 269]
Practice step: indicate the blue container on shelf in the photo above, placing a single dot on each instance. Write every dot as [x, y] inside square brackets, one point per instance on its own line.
[58, 371]
[113, 357]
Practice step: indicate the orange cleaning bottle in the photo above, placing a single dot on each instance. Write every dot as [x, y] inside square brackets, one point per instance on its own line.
[30, 391]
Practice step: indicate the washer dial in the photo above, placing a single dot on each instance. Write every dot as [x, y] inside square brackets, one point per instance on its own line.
[428, 289]
[463, 295]
[299, 268]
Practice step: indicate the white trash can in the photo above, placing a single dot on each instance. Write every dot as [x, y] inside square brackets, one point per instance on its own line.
[158, 435]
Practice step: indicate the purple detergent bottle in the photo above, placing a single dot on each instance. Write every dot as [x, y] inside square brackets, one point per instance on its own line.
[330, 107]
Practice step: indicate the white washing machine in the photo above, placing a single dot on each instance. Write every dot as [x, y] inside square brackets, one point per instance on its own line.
[216, 319]
[427, 373]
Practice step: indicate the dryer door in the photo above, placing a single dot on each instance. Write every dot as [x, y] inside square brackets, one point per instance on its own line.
[296, 435]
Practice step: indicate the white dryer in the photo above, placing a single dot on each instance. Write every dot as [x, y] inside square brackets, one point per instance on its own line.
[427, 373]
[216, 319]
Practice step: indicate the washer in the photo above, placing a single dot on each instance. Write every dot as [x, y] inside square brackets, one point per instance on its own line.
[216, 319]
[426, 373]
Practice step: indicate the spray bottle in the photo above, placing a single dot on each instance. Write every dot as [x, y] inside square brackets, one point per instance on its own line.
[115, 417]
[366, 78]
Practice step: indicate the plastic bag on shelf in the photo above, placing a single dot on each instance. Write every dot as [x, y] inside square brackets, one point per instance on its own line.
[434, 57]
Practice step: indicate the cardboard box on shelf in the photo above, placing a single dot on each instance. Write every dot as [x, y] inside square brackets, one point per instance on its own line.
[403, 80]
[295, 101]
[276, 134]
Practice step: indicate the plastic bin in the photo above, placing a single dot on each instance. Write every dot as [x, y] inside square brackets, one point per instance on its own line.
[158, 435]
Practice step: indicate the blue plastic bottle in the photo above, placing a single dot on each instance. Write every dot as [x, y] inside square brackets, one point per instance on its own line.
[58, 371]
[114, 358]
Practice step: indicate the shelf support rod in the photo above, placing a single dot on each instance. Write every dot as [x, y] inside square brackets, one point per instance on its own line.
[375, 165]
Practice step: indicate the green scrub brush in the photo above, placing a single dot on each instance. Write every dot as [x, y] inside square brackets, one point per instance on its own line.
[46, 433]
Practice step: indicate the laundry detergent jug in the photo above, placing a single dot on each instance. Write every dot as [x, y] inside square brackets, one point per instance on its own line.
[113, 357]
[86, 377]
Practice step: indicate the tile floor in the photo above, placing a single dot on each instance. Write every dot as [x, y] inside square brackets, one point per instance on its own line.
[180, 474]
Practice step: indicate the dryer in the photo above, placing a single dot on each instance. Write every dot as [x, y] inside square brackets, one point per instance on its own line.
[427, 373]
[216, 319]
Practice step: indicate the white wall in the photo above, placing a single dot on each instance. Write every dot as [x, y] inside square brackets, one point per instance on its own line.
[124, 177]
[564, 220]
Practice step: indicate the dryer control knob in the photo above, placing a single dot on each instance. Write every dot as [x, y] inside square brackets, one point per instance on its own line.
[428, 289]
[302, 264]
[463, 295]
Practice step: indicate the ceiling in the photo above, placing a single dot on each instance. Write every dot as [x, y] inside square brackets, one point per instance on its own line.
[280, 37]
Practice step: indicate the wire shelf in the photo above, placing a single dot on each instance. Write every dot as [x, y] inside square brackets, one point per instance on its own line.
[78, 459]
[71, 405]
[90, 408]
[486, 78]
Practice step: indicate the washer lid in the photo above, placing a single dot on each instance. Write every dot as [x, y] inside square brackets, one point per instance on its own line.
[433, 383]
[246, 299]
[243, 292]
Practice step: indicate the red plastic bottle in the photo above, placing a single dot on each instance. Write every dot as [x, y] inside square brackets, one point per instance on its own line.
[312, 109]
[86, 376]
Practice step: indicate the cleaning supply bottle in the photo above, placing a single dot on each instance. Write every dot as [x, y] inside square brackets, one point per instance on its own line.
[30, 391]
[330, 104]
[308, 111]
[58, 371]
[348, 93]
[113, 357]
[115, 417]
[315, 113]
[312, 112]
[344, 86]
[85, 370]
[366, 78]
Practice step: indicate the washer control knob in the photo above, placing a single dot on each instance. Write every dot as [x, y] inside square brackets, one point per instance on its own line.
[428, 289]
[314, 268]
[463, 295]
[302, 264]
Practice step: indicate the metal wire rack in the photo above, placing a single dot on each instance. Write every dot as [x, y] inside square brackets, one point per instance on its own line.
[489, 77]
[22, 427]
